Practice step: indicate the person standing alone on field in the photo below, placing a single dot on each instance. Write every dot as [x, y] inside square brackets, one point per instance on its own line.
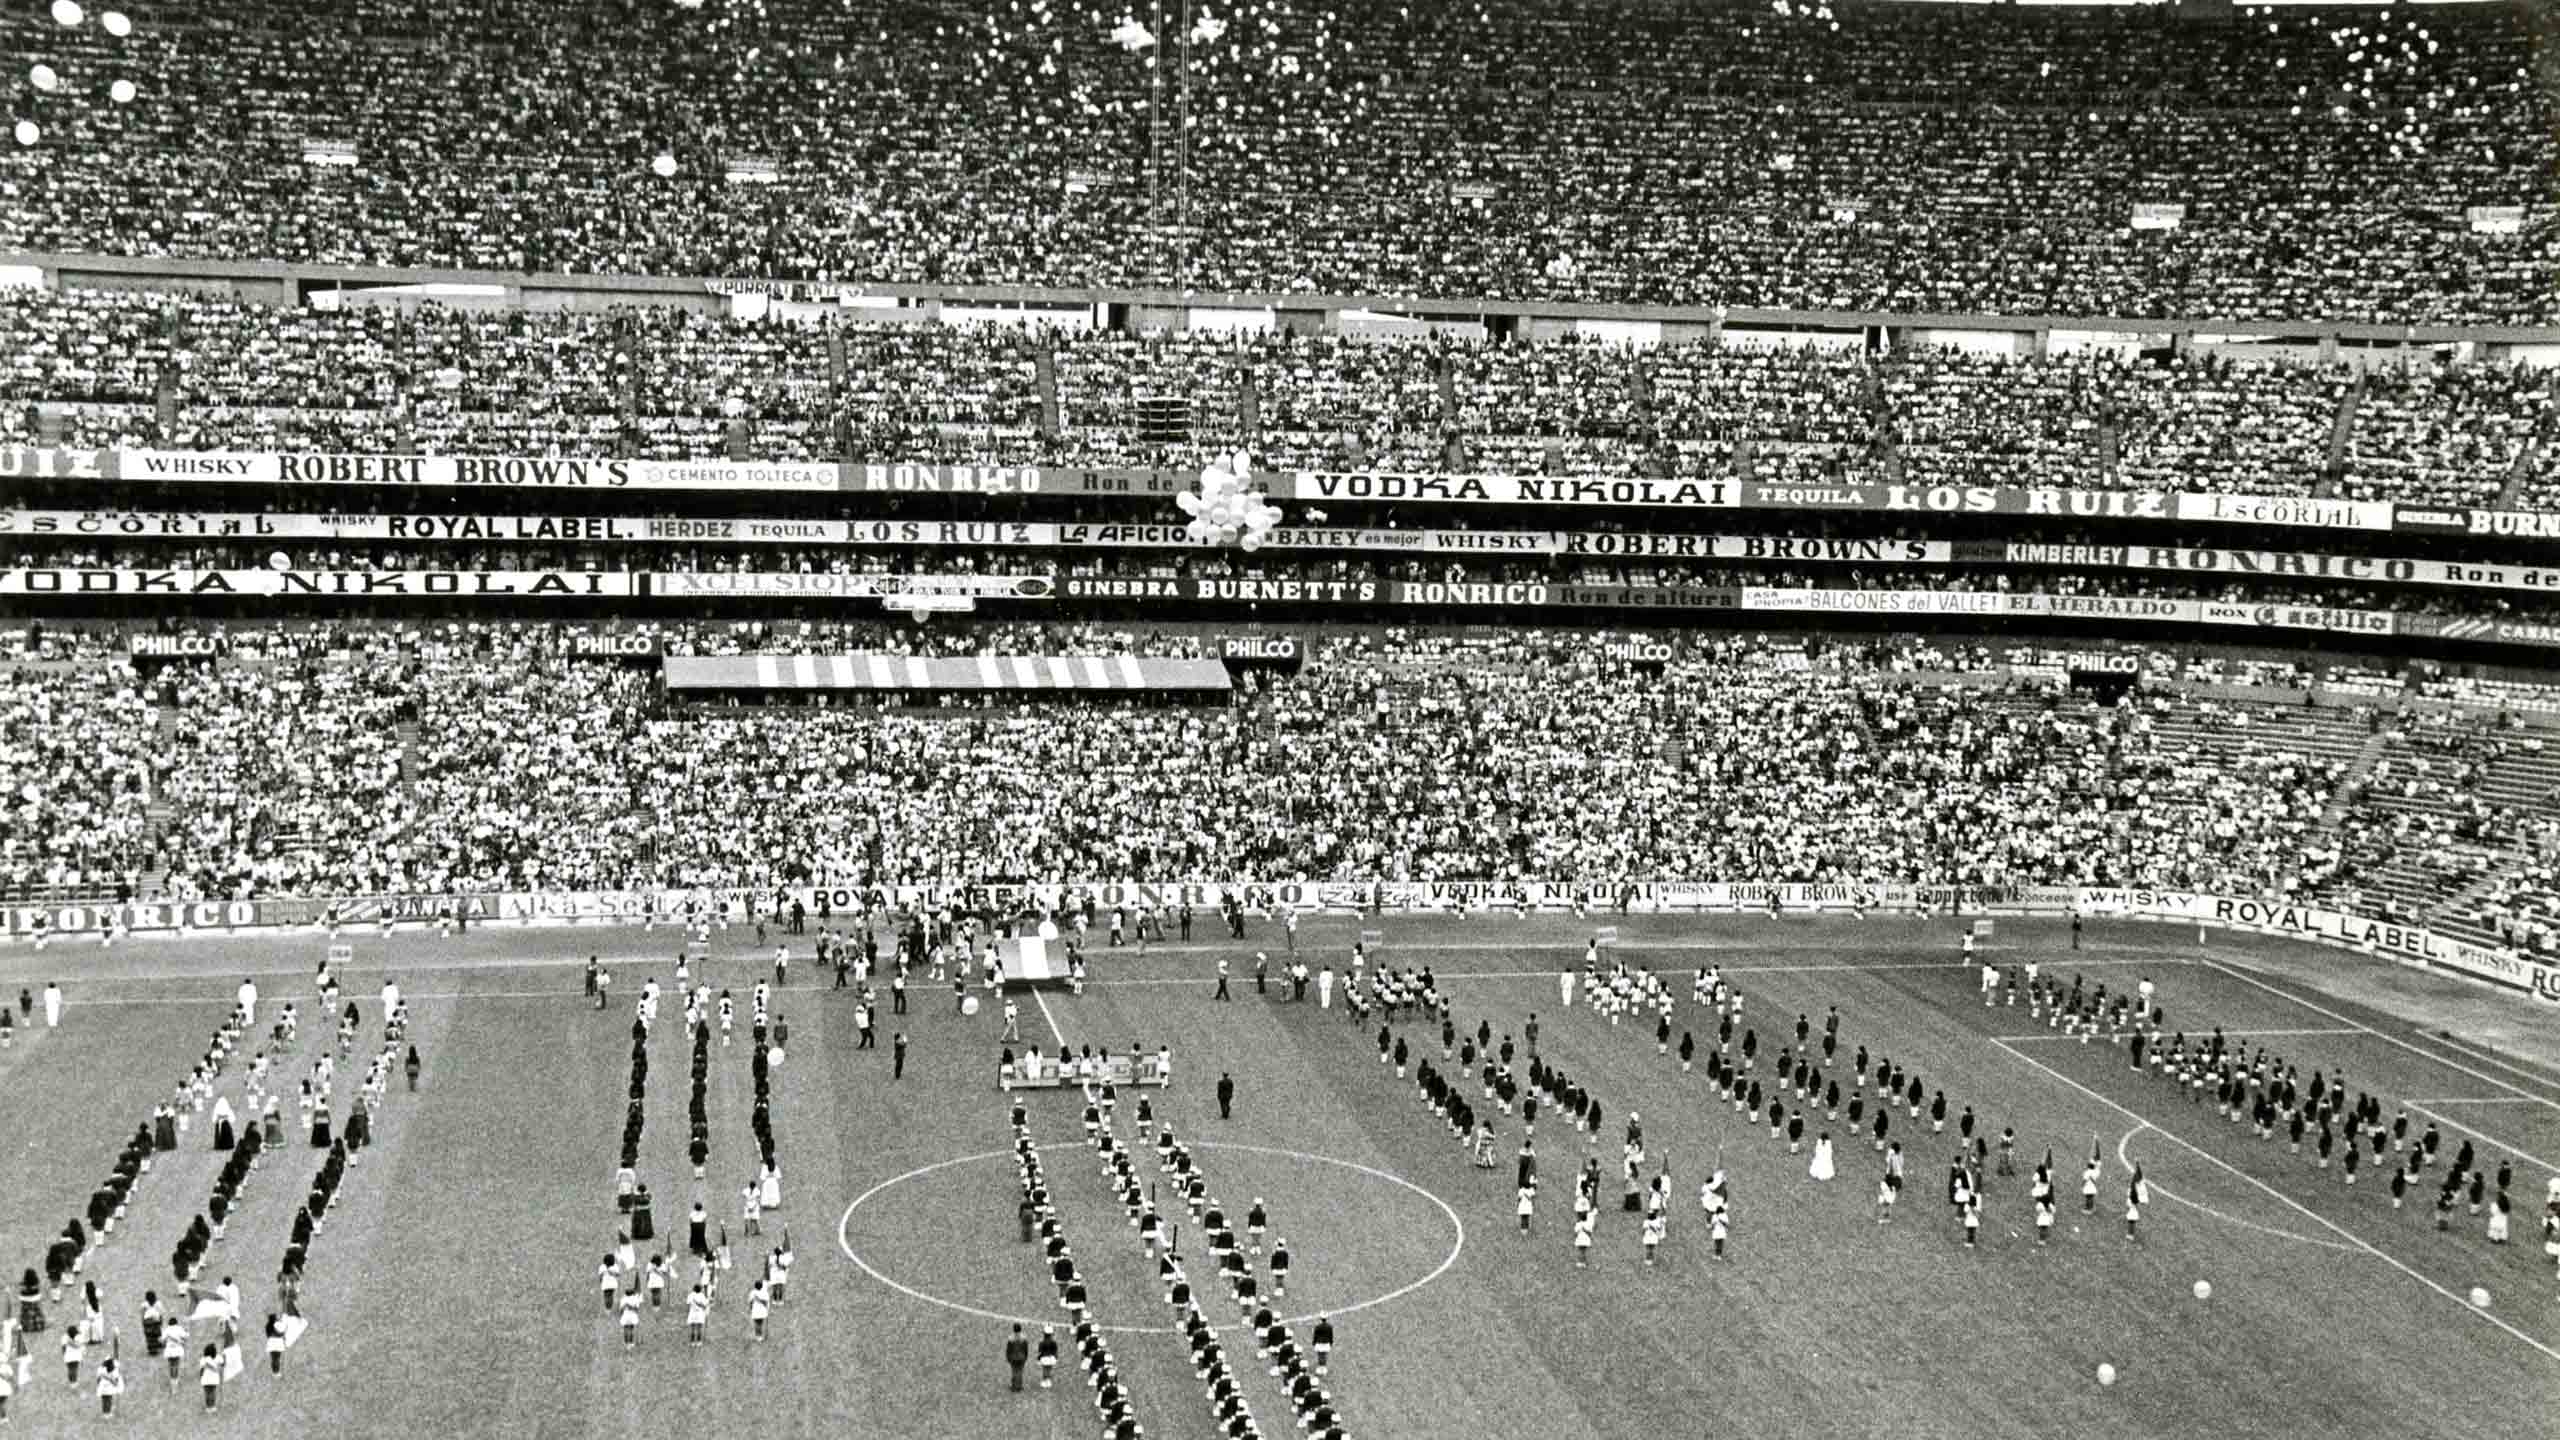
[1226, 1095]
[898, 1056]
[1017, 1353]
[1222, 979]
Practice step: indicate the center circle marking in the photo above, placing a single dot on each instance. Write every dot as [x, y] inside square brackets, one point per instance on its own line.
[844, 1236]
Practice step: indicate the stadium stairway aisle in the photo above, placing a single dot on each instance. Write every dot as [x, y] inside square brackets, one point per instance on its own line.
[2342, 795]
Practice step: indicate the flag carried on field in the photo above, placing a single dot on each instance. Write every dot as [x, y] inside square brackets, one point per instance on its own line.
[1605, 935]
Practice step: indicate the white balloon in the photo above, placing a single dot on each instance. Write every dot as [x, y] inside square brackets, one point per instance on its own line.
[122, 92]
[67, 13]
[27, 132]
[1252, 540]
[1199, 531]
[43, 78]
[1187, 503]
[665, 166]
[115, 23]
[278, 560]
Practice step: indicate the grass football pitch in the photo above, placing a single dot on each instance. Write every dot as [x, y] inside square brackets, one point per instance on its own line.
[454, 1293]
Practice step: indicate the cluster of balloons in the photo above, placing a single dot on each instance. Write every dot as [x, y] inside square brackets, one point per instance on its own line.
[48, 81]
[1133, 37]
[1227, 509]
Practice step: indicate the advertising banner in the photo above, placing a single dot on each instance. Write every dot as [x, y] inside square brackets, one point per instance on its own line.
[2516, 524]
[174, 647]
[1023, 534]
[2539, 633]
[2144, 608]
[2498, 967]
[1312, 486]
[1282, 652]
[2034, 500]
[2290, 510]
[2269, 564]
[243, 525]
[674, 906]
[24, 462]
[2434, 519]
[94, 919]
[2299, 617]
[1820, 550]
[1001, 480]
[1294, 592]
[721, 584]
[415, 909]
[2404, 941]
[586, 645]
[1488, 595]
[1304, 537]
[1965, 500]
[1321, 487]
[236, 467]
[321, 584]
[1876, 602]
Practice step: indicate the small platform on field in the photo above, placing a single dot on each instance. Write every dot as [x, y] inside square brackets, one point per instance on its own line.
[1043, 1072]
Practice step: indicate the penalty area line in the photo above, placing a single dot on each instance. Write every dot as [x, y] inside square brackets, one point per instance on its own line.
[2353, 1240]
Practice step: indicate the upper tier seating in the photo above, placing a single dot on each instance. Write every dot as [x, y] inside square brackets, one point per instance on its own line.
[1919, 159]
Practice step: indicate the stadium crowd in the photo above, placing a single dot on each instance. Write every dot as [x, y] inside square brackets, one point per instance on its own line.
[668, 383]
[483, 757]
[1877, 157]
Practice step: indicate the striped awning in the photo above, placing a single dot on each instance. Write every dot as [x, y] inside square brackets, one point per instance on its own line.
[880, 671]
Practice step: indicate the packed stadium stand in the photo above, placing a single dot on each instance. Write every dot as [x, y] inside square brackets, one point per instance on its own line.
[437, 758]
[190, 373]
[2161, 254]
[1813, 156]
